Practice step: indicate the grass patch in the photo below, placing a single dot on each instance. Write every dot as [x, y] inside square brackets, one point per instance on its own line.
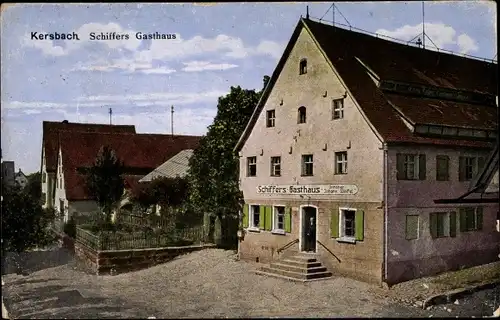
[469, 276]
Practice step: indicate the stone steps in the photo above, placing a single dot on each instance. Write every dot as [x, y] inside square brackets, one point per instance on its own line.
[300, 267]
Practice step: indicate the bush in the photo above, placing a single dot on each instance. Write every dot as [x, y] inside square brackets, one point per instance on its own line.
[70, 228]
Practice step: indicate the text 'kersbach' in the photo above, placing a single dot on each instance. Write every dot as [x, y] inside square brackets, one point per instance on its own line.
[103, 36]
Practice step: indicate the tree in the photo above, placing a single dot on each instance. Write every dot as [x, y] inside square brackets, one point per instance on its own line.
[214, 168]
[104, 180]
[25, 224]
[34, 185]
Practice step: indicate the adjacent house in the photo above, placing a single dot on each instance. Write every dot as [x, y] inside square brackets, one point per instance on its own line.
[50, 148]
[140, 153]
[20, 179]
[352, 141]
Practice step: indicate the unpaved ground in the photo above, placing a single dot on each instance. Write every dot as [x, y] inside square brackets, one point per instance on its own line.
[207, 284]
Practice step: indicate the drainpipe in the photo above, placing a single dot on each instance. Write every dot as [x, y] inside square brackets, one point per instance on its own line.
[385, 192]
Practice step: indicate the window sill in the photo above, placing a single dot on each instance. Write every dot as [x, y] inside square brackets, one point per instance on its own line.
[275, 176]
[306, 175]
[253, 229]
[340, 173]
[280, 232]
[346, 239]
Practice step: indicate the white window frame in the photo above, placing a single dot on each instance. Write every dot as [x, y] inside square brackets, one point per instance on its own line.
[304, 163]
[275, 219]
[251, 216]
[342, 236]
[415, 164]
[474, 217]
[473, 166]
[274, 165]
[272, 119]
[338, 106]
[248, 166]
[446, 226]
[343, 162]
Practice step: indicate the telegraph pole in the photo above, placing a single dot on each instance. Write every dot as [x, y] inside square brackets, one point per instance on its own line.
[172, 119]
[110, 114]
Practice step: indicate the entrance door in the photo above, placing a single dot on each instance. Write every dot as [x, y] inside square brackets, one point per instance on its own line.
[309, 229]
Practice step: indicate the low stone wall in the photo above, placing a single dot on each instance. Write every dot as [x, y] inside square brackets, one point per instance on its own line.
[120, 261]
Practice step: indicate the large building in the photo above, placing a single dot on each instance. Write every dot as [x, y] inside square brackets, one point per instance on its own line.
[140, 154]
[352, 141]
[50, 147]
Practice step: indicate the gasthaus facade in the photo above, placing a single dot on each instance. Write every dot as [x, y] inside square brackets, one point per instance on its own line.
[353, 139]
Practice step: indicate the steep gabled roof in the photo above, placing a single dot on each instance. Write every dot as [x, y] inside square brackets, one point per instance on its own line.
[50, 138]
[354, 55]
[140, 153]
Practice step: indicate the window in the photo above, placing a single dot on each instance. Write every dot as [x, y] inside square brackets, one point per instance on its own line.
[412, 227]
[347, 225]
[340, 162]
[255, 216]
[271, 116]
[338, 109]
[275, 166]
[442, 224]
[44, 177]
[301, 117]
[303, 66]
[307, 165]
[442, 168]
[469, 167]
[44, 198]
[61, 206]
[410, 167]
[60, 183]
[471, 219]
[251, 166]
[279, 218]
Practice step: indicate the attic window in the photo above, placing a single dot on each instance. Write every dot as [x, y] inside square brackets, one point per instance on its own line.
[303, 66]
[301, 118]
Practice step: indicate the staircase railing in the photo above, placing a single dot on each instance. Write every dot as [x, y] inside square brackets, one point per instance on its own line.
[286, 246]
[333, 254]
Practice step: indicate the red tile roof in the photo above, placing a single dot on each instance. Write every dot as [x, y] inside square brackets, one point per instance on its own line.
[140, 153]
[398, 62]
[50, 142]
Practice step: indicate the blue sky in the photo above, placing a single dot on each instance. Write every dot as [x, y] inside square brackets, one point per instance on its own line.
[216, 46]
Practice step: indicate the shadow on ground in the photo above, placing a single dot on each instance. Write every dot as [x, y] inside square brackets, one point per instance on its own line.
[25, 263]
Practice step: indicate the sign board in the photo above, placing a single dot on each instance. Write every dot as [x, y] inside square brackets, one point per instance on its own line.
[318, 189]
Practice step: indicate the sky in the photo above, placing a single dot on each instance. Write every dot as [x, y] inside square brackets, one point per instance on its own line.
[216, 46]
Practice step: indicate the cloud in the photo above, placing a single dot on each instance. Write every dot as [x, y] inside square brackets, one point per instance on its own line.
[125, 65]
[441, 35]
[466, 44]
[197, 66]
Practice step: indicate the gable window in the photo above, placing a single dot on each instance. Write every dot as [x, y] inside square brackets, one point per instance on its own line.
[341, 162]
[471, 219]
[251, 166]
[442, 224]
[275, 166]
[255, 216]
[270, 118]
[338, 109]
[469, 167]
[442, 168]
[301, 117]
[412, 227]
[44, 177]
[411, 166]
[347, 225]
[303, 66]
[307, 165]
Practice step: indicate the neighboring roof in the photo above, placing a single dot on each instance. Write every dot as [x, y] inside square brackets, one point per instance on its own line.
[20, 173]
[50, 142]
[140, 153]
[177, 166]
[393, 61]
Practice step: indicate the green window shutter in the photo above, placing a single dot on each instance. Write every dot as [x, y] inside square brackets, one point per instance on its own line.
[268, 218]
[422, 167]
[245, 215]
[463, 221]
[479, 218]
[262, 218]
[480, 164]
[433, 224]
[334, 223]
[359, 224]
[400, 166]
[288, 219]
[447, 170]
[461, 169]
[453, 224]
